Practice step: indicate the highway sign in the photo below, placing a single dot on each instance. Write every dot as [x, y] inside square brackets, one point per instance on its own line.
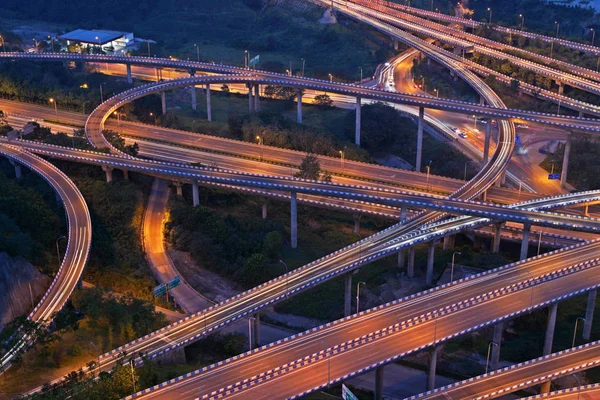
[517, 139]
[160, 290]
[174, 282]
[553, 176]
[347, 394]
[255, 61]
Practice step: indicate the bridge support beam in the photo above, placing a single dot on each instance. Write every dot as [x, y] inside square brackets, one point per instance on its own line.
[257, 330]
[586, 210]
[294, 221]
[481, 100]
[129, 78]
[449, 241]
[357, 128]
[581, 114]
[545, 387]
[565, 165]
[561, 88]
[411, 262]
[348, 294]
[403, 212]
[108, 171]
[179, 188]
[356, 218]
[430, 259]
[525, 241]
[420, 139]
[250, 99]
[396, 44]
[264, 209]
[589, 314]
[195, 193]
[497, 338]
[299, 106]
[194, 104]
[208, 103]
[257, 98]
[401, 258]
[432, 368]
[163, 101]
[126, 175]
[379, 383]
[496, 239]
[486, 143]
[18, 173]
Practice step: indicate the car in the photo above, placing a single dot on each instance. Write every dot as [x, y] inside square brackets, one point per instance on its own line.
[462, 135]
[522, 126]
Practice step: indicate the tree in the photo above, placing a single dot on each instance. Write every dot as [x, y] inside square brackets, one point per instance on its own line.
[514, 85]
[272, 244]
[310, 168]
[323, 101]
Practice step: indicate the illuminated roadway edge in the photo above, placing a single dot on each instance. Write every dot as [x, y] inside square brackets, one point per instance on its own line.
[522, 375]
[588, 124]
[575, 393]
[78, 240]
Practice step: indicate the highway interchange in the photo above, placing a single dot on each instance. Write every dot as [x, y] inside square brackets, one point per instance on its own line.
[495, 295]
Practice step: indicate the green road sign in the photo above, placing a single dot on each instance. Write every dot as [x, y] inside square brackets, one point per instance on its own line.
[347, 394]
[174, 282]
[160, 290]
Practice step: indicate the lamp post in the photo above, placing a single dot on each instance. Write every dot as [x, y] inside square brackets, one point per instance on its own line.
[552, 45]
[97, 351]
[52, 42]
[361, 75]
[436, 92]
[358, 295]
[593, 35]
[452, 268]
[539, 242]
[575, 330]
[197, 51]
[330, 78]
[260, 144]
[490, 10]
[428, 170]
[51, 100]
[522, 20]
[303, 63]
[578, 385]
[246, 59]
[148, 42]
[287, 278]
[487, 362]
[474, 122]
[153, 115]
[342, 158]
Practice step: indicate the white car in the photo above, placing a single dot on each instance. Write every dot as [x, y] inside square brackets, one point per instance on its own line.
[462, 135]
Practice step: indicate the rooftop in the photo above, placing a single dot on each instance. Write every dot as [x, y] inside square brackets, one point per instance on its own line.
[91, 37]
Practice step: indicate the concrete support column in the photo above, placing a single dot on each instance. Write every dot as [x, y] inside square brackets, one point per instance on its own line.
[501, 180]
[257, 98]
[401, 258]
[194, 105]
[496, 239]
[486, 143]
[264, 210]
[299, 106]
[179, 188]
[403, 212]
[294, 220]
[449, 241]
[129, 78]
[565, 165]
[396, 44]
[420, 139]
[356, 218]
[108, 171]
[481, 101]
[411, 262]
[545, 387]
[348, 294]
[163, 101]
[250, 99]
[497, 338]
[379, 383]
[126, 175]
[561, 88]
[195, 193]
[257, 329]
[581, 114]
[589, 314]
[525, 241]
[586, 210]
[432, 367]
[208, 103]
[430, 259]
[357, 128]
[18, 173]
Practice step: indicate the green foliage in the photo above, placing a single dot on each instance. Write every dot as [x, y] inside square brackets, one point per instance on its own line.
[310, 168]
[323, 100]
[382, 127]
[115, 139]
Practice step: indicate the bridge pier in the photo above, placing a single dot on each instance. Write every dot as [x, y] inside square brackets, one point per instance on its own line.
[256, 330]
[545, 387]
[420, 139]
[561, 87]
[129, 78]
[179, 188]
[581, 114]
[357, 128]
[449, 241]
[589, 314]
[481, 100]
[433, 352]
[411, 262]
[18, 173]
[396, 44]
[496, 239]
[401, 258]
[264, 209]
[194, 105]
[108, 172]
[497, 338]
[525, 241]
[208, 103]
[403, 212]
[257, 98]
[348, 294]
[294, 221]
[430, 259]
[379, 383]
[250, 99]
[195, 193]
[586, 210]
[126, 175]
[565, 165]
[486, 143]
[356, 218]
[299, 106]
[163, 101]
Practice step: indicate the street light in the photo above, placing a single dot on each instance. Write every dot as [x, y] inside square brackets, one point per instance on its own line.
[287, 278]
[593, 35]
[539, 243]
[260, 144]
[428, 170]
[328, 365]
[342, 158]
[358, 295]
[452, 269]
[51, 100]
[490, 10]
[153, 115]
[245, 58]
[474, 122]
[131, 363]
[578, 386]
[52, 42]
[436, 92]
[487, 362]
[303, 62]
[361, 75]
[575, 330]
[330, 78]
[522, 20]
